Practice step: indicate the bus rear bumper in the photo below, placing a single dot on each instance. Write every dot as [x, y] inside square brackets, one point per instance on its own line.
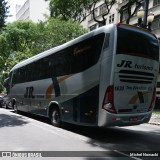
[108, 119]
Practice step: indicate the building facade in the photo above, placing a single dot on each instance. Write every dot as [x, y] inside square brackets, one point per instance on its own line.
[114, 15]
[32, 10]
[100, 9]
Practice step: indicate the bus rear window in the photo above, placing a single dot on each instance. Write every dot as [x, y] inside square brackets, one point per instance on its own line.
[132, 41]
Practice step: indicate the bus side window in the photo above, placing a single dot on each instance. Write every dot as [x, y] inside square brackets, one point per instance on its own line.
[59, 64]
[15, 76]
[86, 54]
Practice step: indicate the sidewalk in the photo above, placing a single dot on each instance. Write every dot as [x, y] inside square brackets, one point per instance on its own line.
[155, 119]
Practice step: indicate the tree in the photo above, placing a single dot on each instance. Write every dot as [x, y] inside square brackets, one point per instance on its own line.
[127, 7]
[55, 32]
[4, 10]
[16, 44]
[16, 36]
[22, 39]
[78, 10]
[28, 38]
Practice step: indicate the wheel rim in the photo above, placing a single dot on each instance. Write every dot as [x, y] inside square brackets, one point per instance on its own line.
[55, 117]
[15, 109]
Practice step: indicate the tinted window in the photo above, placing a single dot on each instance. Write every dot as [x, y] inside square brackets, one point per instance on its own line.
[86, 53]
[73, 59]
[136, 42]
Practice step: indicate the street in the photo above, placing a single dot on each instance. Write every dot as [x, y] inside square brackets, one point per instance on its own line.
[23, 132]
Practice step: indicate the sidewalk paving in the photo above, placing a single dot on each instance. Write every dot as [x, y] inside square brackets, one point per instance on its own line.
[155, 119]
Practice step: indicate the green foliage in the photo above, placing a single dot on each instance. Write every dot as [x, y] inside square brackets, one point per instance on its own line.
[156, 112]
[55, 32]
[3, 12]
[16, 37]
[22, 39]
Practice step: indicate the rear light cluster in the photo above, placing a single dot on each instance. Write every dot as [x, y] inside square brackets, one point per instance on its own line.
[152, 100]
[118, 24]
[108, 102]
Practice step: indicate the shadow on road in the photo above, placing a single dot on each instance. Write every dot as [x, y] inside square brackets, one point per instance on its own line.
[33, 116]
[11, 120]
[120, 138]
[114, 138]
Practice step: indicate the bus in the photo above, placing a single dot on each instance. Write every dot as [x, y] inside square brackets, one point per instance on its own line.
[104, 78]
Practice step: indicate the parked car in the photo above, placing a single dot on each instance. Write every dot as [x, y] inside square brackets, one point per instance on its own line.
[7, 102]
[1, 101]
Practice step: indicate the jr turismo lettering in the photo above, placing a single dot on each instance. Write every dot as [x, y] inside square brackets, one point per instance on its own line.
[144, 67]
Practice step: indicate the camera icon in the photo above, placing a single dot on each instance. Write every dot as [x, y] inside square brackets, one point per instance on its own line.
[6, 154]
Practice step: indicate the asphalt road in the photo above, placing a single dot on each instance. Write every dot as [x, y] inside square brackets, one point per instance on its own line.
[24, 132]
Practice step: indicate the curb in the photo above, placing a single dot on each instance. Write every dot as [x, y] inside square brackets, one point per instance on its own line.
[154, 123]
[155, 119]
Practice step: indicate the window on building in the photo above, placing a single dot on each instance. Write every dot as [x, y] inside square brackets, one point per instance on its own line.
[156, 2]
[101, 24]
[111, 18]
[93, 27]
[156, 23]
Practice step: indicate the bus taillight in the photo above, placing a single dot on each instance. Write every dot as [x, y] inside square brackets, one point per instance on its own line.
[118, 24]
[153, 100]
[108, 102]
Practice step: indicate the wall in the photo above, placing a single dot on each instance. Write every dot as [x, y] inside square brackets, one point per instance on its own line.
[33, 10]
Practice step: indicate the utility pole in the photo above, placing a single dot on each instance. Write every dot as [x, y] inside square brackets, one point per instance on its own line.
[146, 4]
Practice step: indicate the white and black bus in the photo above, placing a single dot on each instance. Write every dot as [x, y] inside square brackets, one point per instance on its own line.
[104, 78]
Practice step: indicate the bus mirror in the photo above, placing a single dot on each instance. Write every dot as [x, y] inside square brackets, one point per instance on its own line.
[6, 82]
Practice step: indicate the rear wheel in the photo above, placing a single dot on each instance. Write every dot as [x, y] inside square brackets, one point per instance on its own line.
[15, 108]
[55, 117]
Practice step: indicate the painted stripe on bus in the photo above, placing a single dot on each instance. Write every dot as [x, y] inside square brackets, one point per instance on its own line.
[141, 96]
[55, 86]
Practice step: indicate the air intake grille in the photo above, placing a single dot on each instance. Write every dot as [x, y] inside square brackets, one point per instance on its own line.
[135, 77]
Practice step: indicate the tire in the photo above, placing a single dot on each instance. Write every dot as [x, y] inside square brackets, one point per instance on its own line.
[10, 105]
[55, 117]
[6, 106]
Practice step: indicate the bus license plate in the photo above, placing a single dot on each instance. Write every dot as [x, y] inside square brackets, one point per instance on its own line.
[133, 119]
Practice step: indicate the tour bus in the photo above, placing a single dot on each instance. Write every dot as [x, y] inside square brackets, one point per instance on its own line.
[104, 78]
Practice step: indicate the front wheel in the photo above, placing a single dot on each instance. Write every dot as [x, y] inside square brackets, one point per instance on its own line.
[55, 117]
[6, 106]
